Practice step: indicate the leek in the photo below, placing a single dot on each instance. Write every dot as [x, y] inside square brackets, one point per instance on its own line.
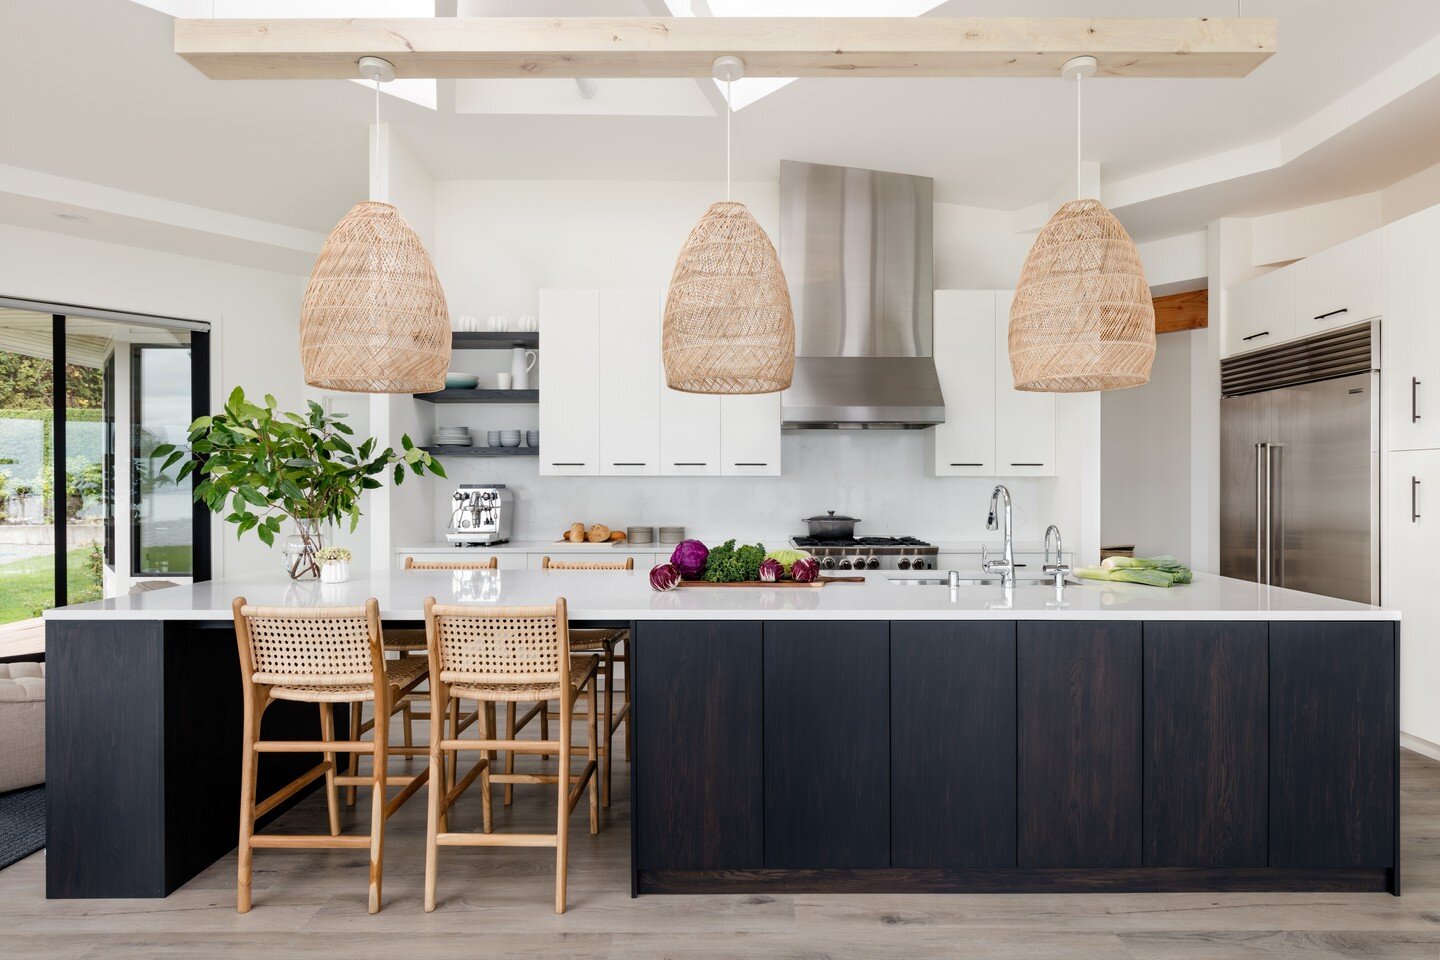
[1143, 575]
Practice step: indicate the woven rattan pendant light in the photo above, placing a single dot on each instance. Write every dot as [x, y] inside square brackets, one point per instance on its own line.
[729, 327]
[1082, 318]
[374, 318]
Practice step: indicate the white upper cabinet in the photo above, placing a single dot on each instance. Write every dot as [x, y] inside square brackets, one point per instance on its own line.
[689, 433]
[1410, 341]
[1261, 312]
[569, 393]
[1024, 422]
[750, 435]
[630, 382]
[965, 331]
[1342, 285]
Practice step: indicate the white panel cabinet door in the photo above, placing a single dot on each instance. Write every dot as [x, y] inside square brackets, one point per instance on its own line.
[1260, 312]
[1024, 422]
[1409, 338]
[689, 433]
[1412, 584]
[570, 384]
[630, 373]
[1342, 285]
[750, 435]
[965, 331]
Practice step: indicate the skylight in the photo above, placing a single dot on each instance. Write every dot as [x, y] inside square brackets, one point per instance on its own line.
[747, 91]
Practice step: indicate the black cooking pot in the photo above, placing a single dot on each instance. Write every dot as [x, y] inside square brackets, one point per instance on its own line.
[831, 527]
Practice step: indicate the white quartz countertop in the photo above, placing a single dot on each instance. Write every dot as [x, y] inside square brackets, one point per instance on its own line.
[624, 547]
[626, 595]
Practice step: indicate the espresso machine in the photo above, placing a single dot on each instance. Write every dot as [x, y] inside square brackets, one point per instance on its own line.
[480, 513]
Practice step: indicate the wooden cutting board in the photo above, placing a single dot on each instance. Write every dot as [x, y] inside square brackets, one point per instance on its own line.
[817, 582]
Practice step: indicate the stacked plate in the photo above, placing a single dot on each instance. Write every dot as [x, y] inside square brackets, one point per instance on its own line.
[672, 534]
[641, 535]
[452, 437]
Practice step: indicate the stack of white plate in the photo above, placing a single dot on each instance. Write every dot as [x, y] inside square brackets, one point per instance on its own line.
[636, 535]
[452, 437]
[672, 534]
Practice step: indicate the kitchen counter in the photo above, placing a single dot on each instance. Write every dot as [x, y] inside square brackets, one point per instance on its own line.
[626, 595]
[852, 737]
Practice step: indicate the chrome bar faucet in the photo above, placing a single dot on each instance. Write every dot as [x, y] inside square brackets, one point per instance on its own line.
[1005, 566]
[1059, 568]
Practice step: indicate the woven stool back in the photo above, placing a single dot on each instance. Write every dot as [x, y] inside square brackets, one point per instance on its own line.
[499, 645]
[412, 564]
[547, 564]
[314, 647]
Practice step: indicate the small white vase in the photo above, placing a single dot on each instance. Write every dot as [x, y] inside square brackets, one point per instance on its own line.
[335, 571]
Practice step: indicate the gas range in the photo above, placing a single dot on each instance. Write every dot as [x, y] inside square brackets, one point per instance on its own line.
[870, 553]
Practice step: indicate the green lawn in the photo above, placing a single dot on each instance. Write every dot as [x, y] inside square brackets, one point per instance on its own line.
[28, 586]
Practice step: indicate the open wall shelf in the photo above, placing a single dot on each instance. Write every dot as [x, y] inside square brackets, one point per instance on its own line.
[480, 396]
[486, 340]
[482, 451]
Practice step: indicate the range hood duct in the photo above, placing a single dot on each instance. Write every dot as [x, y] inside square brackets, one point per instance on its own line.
[857, 247]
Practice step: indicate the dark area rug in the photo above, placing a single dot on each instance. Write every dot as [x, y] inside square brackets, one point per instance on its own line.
[22, 824]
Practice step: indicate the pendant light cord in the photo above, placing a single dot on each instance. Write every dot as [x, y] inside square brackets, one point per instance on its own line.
[1079, 189]
[375, 190]
[728, 111]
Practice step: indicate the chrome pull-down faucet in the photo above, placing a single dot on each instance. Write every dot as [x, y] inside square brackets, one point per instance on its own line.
[1059, 568]
[1005, 566]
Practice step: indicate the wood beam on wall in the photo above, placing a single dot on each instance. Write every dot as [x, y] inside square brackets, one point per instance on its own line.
[596, 47]
[1182, 311]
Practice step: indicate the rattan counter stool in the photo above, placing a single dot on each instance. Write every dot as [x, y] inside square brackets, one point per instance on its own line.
[602, 640]
[325, 656]
[507, 655]
[412, 641]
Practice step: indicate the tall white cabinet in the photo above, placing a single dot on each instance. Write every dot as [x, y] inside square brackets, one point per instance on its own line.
[605, 409]
[990, 429]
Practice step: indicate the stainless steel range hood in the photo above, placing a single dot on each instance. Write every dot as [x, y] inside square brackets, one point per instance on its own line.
[857, 249]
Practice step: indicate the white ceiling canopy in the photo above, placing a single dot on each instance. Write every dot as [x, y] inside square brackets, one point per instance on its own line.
[748, 90]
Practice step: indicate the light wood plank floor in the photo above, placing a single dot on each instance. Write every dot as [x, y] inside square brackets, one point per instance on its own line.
[497, 903]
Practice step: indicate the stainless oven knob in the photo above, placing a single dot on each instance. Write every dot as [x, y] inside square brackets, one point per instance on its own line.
[845, 564]
[873, 563]
[920, 564]
[828, 563]
[904, 563]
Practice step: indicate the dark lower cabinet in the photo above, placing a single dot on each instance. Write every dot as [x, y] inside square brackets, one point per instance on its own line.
[1206, 744]
[698, 745]
[1333, 744]
[827, 744]
[952, 744]
[1078, 711]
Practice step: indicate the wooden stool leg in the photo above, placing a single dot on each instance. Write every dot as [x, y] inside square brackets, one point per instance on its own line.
[248, 760]
[629, 710]
[381, 759]
[332, 795]
[509, 754]
[562, 832]
[590, 753]
[545, 727]
[408, 724]
[453, 733]
[357, 712]
[433, 813]
[609, 709]
[487, 731]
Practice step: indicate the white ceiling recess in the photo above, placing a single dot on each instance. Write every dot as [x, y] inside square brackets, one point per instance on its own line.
[1346, 106]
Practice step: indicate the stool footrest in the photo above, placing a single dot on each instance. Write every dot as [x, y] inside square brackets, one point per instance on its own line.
[495, 839]
[306, 841]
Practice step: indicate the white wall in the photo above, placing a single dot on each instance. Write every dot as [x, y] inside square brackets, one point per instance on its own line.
[254, 316]
[1146, 456]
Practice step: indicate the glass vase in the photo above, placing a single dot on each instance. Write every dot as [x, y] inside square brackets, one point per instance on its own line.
[301, 548]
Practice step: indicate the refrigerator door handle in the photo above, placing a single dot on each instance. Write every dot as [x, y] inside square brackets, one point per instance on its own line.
[1274, 545]
[1262, 488]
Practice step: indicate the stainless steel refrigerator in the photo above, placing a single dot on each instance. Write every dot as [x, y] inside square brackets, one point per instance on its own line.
[1300, 465]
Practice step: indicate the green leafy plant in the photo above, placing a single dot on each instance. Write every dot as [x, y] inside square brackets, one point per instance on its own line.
[729, 564]
[267, 465]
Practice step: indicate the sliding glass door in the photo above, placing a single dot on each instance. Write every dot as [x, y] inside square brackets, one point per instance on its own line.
[85, 396]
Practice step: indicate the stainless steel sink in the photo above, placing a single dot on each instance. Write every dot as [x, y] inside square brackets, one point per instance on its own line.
[977, 582]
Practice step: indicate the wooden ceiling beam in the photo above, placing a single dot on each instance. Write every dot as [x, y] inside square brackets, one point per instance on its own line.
[1182, 311]
[599, 47]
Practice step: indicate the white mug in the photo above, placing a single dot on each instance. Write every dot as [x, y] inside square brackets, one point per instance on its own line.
[502, 381]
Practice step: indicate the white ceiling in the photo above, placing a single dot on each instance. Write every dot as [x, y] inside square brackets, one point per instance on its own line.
[97, 95]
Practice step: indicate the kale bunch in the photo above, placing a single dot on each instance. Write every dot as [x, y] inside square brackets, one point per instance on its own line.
[729, 564]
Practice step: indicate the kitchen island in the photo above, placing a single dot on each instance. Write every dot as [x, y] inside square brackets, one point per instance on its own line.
[873, 736]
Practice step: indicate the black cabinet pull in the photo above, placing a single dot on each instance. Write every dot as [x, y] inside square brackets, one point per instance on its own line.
[1027, 464]
[1333, 313]
[1414, 399]
[1414, 499]
[567, 464]
[752, 464]
[967, 464]
[1262, 333]
[700, 464]
[627, 464]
